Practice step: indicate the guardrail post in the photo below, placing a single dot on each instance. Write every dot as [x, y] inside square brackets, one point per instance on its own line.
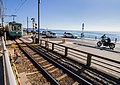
[89, 59]
[66, 51]
[47, 45]
[40, 42]
[52, 46]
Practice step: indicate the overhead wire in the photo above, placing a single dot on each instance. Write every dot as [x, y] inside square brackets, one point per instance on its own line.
[17, 8]
[20, 6]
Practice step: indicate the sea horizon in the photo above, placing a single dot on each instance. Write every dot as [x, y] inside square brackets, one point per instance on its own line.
[87, 34]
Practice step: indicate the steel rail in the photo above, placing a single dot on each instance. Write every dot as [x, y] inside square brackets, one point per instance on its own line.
[74, 71]
[61, 66]
[88, 67]
[81, 80]
[39, 67]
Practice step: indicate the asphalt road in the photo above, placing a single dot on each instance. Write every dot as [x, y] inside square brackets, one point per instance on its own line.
[90, 46]
[89, 43]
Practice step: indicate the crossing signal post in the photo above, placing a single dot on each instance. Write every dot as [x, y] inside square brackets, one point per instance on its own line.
[33, 23]
[35, 26]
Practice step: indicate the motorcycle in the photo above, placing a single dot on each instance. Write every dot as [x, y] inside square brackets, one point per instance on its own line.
[106, 42]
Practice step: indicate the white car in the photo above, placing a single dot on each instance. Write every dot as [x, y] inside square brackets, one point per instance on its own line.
[49, 34]
[44, 32]
[69, 35]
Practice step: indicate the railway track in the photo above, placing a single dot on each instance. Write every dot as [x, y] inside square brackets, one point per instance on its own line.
[95, 77]
[25, 67]
[60, 70]
[53, 72]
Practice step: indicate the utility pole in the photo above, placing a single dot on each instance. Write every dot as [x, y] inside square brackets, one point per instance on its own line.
[1, 11]
[38, 21]
[2, 18]
[27, 25]
[11, 16]
[14, 17]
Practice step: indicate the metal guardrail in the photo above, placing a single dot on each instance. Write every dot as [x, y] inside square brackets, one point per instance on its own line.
[10, 78]
[89, 59]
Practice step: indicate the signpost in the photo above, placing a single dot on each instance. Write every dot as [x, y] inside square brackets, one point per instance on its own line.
[82, 34]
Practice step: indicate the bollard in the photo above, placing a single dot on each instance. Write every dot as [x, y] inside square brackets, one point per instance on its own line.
[52, 46]
[40, 42]
[63, 40]
[66, 51]
[47, 39]
[46, 43]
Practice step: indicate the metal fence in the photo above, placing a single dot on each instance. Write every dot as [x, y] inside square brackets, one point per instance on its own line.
[91, 60]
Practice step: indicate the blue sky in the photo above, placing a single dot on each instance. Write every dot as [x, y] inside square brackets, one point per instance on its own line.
[97, 15]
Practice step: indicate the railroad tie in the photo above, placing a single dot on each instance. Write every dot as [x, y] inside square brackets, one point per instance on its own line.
[48, 83]
[43, 61]
[31, 73]
[36, 55]
[61, 77]
[32, 53]
[47, 65]
[53, 70]
[75, 83]
[27, 60]
[50, 67]
[30, 64]
[38, 58]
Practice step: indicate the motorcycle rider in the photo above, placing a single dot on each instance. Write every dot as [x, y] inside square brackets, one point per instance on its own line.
[108, 40]
[103, 37]
[105, 41]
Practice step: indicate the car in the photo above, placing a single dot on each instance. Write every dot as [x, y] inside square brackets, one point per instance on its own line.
[49, 34]
[44, 32]
[69, 35]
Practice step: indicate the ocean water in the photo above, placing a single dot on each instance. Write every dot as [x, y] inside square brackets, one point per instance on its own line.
[91, 34]
[88, 34]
